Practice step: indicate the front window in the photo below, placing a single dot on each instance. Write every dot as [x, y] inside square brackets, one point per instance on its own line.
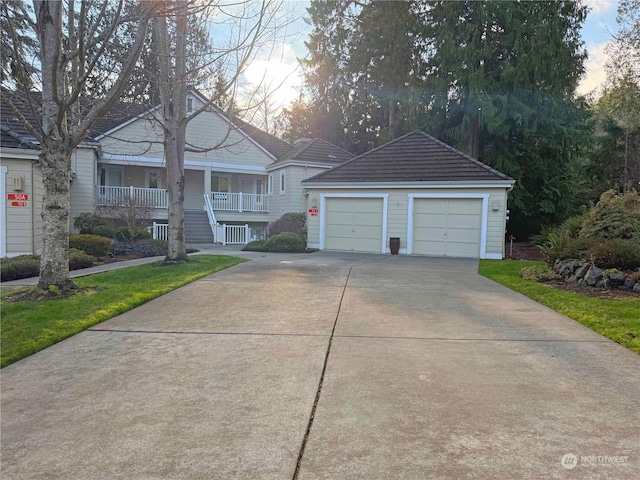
[153, 179]
[219, 183]
[282, 182]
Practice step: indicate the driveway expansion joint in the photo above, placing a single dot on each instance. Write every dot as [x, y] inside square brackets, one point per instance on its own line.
[320, 383]
[444, 339]
[177, 332]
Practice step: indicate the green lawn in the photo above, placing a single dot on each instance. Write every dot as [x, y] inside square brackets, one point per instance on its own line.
[27, 327]
[618, 320]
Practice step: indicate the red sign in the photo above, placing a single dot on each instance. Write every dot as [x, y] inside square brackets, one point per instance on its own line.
[313, 212]
[18, 204]
[17, 196]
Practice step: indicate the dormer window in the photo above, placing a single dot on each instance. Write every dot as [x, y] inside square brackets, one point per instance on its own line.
[189, 104]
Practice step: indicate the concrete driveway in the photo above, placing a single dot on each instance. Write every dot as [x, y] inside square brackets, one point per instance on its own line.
[329, 365]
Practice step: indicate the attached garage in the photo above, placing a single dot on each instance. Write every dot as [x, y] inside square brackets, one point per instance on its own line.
[354, 223]
[436, 200]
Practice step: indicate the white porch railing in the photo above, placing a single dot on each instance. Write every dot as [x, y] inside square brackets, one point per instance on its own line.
[238, 202]
[160, 231]
[117, 196]
[233, 234]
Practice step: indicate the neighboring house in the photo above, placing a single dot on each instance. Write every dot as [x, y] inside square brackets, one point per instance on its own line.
[236, 175]
[435, 199]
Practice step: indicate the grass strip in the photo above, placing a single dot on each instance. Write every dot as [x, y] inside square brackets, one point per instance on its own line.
[28, 327]
[617, 319]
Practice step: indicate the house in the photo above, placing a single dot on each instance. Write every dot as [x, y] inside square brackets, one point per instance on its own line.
[237, 176]
[436, 200]
[433, 198]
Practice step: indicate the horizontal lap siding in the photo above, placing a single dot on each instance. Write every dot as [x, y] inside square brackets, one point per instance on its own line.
[293, 200]
[83, 185]
[19, 227]
[208, 130]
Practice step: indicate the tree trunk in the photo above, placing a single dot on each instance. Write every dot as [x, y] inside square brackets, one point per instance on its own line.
[473, 138]
[177, 250]
[55, 160]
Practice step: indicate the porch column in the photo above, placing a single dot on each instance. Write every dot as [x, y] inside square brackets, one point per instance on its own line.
[207, 181]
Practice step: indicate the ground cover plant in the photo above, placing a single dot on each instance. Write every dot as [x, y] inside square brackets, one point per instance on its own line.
[29, 326]
[615, 318]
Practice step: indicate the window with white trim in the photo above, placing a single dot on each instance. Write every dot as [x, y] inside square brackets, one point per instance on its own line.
[189, 104]
[282, 182]
[270, 184]
[153, 179]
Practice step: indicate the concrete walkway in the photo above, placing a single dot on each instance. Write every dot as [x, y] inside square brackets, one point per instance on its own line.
[328, 365]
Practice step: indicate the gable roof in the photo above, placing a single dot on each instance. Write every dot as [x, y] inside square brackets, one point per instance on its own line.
[414, 157]
[316, 151]
[273, 145]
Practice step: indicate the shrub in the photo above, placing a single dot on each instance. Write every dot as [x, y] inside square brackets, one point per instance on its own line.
[79, 259]
[123, 234]
[286, 242]
[86, 222]
[290, 222]
[104, 231]
[614, 216]
[94, 245]
[23, 266]
[560, 245]
[255, 246]
[616, 253]
[538, 273]
[143, 248]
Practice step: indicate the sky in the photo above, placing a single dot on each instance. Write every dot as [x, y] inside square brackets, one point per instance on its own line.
[280, 68]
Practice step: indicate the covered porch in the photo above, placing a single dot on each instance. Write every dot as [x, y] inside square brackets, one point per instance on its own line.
[237, 194]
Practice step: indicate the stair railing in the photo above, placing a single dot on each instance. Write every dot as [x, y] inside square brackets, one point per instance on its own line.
[212, 219]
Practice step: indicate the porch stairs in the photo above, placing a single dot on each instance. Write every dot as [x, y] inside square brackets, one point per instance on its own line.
[196, 227]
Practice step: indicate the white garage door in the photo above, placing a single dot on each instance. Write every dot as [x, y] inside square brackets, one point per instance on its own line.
[353, 224]
[448, 227]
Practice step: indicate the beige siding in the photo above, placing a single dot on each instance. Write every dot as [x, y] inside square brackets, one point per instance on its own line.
[20, 220]
[38, 191]
[207, 131]
[294, 199]
[397, 214]
[194, 190]
[83, 185]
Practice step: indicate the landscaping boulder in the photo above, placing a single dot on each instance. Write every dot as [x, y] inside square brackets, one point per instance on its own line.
[593, 275]
[580, 273]
[565, 268]
[636, 287]
[617, 279]
[628, 284]
[602, 283]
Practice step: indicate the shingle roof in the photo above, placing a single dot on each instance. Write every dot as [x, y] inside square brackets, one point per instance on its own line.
[9, 139]
[117, 115]
[273, 145]
[415, 157]
[316, 151]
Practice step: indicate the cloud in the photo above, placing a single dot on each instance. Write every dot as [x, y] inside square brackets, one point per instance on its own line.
[600, 6]
[595, 68]
[278, 72]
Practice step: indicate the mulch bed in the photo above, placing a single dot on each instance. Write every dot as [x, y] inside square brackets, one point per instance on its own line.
[524, 251]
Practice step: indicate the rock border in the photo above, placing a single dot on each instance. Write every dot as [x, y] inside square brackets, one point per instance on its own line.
[586, 274]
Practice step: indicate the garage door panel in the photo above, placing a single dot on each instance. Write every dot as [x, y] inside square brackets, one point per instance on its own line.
[340, 218]
[433, 206]
[429, 234]
[447, 227]
[467, 235]
[429, 248]
[431, 220]
[368, 205]
[463, 221]
[455, 249]
[353, 224]
[465, 206]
